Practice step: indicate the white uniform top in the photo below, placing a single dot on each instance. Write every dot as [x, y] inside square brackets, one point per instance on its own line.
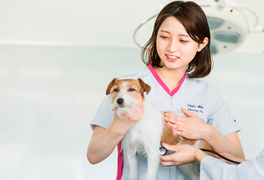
[212, 168]
[194, 95]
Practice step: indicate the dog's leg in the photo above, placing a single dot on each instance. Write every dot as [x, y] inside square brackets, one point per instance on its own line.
[132, 163]
[153, 164]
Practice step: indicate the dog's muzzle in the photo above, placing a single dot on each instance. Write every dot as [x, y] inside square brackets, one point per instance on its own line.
[120, 101]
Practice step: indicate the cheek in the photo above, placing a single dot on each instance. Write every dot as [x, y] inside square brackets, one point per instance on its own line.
[189, 51]
[113, 96]
[160, 46]
[133, 94]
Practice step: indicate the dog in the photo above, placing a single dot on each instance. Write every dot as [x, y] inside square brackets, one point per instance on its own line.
[146, 135]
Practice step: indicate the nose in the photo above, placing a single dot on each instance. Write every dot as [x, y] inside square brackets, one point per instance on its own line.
[172, 46]
[120, 101]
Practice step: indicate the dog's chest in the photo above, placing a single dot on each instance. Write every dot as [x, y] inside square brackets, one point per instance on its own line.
[148, 129]
[136, 133]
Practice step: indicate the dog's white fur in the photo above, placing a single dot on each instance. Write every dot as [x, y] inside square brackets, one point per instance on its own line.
[144, 138]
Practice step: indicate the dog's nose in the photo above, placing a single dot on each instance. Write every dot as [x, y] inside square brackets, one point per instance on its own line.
[120, 101]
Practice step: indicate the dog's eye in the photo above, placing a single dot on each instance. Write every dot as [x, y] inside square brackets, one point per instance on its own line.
[131, 89]
[116, 90]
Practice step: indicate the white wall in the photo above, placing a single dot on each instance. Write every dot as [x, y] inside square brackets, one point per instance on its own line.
[95, 22]
[49, 95]
[239, 77]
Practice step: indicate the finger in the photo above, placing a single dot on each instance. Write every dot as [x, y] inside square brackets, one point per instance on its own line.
[139, 105]
[188, 113]
[173, 126]
[166, 163]
[169, 160]
[167, 114]
[170, 147]
[218, 157]
[138, 113]
[168, 117]
[176, 127]
[223, 154]
[179, 133]
[173, 118]
[179, 126]
[166, 159]
[139, 97]
[169, 120]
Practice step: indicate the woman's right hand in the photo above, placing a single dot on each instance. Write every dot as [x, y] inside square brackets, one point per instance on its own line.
[121, 125]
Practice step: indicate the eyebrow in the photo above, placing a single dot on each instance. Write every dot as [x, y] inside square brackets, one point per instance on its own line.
[185, 35]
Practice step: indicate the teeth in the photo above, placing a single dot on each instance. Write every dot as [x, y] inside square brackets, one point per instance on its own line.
[172, 57]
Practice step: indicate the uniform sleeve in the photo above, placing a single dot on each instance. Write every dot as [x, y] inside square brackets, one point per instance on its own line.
[104, 115]
[212, 168]
[221, 117]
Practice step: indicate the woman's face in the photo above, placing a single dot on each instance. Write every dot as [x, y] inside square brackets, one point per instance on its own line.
[175, 47]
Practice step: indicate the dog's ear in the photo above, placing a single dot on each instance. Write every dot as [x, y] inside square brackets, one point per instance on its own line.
[110, 86]
[144, 86]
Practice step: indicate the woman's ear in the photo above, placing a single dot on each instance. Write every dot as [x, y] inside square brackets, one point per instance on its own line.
[203, 44]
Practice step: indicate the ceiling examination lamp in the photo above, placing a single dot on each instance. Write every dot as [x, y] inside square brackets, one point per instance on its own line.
[228, 24]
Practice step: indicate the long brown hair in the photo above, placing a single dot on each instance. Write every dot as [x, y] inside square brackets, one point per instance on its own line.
[194, 21]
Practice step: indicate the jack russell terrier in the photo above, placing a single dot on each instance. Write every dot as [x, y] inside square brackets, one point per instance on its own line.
[146, 135]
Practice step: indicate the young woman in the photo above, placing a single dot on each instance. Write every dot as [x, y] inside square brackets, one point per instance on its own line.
[177, 53]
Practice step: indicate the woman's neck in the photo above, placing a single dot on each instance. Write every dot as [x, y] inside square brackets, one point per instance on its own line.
[170, 77]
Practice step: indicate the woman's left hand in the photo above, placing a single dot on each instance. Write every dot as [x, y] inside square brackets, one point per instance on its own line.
[190, 127]
[183, 154]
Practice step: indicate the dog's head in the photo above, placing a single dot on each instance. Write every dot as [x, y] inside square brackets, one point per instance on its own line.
[123, 92]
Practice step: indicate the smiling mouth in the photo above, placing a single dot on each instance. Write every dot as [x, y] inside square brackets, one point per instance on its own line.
[172, 58]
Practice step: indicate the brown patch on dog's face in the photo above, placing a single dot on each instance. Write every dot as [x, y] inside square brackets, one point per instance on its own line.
[129, 87]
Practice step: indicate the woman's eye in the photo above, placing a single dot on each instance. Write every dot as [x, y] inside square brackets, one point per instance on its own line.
[131, 89]
[164, 37]
[183, 41]
[116, 90]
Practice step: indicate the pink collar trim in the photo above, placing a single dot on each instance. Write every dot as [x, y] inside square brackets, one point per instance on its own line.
[163, 85]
